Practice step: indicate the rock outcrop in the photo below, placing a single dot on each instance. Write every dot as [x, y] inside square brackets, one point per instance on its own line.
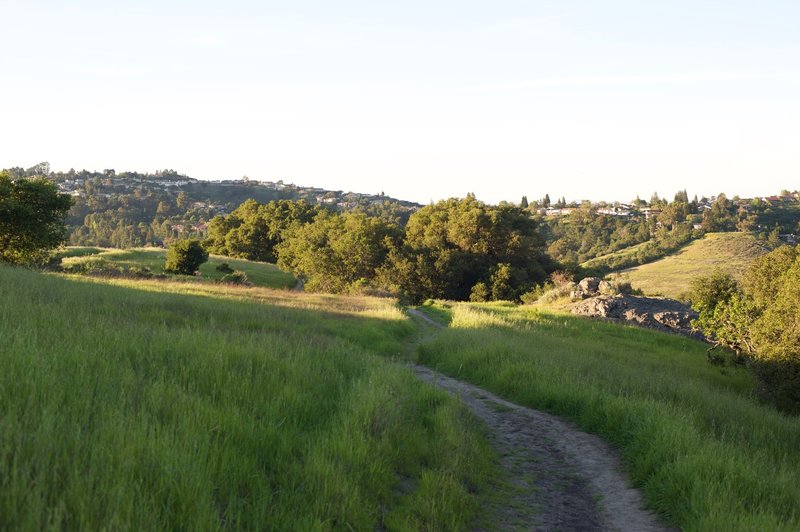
[654, 313]
[590, 287]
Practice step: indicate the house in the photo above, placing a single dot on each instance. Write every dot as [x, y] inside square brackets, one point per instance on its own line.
[650, 213]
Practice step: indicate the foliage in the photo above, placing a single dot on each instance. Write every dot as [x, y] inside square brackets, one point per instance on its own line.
[253, 230]
[759, 318]
[224, 267]
[184, 257]
[336, 251]
[32, 216]
[453, 245]
[584, 234]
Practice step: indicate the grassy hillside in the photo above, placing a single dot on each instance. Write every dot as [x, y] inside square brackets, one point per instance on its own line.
[706, 455]
[258, 273]
[187, 406]
[672, 275]
[616, 255]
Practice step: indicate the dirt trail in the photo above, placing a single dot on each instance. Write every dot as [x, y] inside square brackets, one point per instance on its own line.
[560, 477]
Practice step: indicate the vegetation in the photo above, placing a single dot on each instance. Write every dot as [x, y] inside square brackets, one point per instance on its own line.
[672, 276]
[758, 319]
[184, 257]
[253, 230]
[127, 262]
[338, 253]
[148, 405]
[705, 453]
[134, 209]
[457, 249]
[31, 219]
[663, 243]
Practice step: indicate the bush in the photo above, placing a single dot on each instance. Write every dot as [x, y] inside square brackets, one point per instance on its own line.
[534, 294]
[236, 277]
[559, 292]
[759, 321]
[224, 268]
[32, 214]
[480, 292]
[184, 257]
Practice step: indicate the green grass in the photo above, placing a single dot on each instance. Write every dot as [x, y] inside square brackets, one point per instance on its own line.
[76, 251]
[186, 406]
[258, 273]
[705, 453]
[672, 276]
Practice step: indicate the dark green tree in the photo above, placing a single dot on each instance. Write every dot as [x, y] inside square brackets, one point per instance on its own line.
[184, 257]
[338, 252]
[253, 230]
[32, 215]
[455, 244]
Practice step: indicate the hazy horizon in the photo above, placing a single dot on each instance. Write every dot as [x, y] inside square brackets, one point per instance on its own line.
[421, 101]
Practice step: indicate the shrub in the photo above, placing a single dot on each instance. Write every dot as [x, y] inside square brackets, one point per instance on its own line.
[224, 268]
[557, 293]
[480, 292]
[236, 277]
[184, 257]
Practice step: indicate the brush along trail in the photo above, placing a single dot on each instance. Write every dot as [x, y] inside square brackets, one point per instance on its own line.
[557, 477]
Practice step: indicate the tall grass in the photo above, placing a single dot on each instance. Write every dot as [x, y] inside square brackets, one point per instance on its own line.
[706, 454]
[129, 408]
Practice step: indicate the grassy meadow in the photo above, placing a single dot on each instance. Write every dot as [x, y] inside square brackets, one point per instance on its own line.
[143, 405]
[672, 276]
[705, 453]
[258, 273]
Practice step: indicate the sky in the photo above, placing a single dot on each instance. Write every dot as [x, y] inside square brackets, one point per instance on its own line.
[422, 100]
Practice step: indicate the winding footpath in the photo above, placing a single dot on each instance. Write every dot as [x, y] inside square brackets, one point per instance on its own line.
[559, 478]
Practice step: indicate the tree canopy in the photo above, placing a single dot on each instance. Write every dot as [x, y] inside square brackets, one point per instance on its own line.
[758, 319]
[453, 245]
[32, 214]
[338, 252]
[184, 257]
[254, 229]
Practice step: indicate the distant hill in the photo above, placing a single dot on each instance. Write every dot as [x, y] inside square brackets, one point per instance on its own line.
[672, 276]
[134, 209]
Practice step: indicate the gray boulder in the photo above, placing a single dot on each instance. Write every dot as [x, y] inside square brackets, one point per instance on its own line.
[590, 287]
[654, 313]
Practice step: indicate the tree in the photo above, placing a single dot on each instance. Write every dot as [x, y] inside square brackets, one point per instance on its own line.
[338, 252]
[523, 204]
[253, 230]
[184, 257]
[455, 244]
[32, 215]
[759, 318]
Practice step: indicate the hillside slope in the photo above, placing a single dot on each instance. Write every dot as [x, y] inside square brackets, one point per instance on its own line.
[258, 273]
[672, 276]
[188, 406]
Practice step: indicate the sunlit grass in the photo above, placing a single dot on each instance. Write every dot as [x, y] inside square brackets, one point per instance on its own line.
[672, 276]
[258, 273]
[142, 406]
[706, 454]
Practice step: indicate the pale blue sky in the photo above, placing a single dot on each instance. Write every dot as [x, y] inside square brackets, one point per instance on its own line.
[422, 100]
